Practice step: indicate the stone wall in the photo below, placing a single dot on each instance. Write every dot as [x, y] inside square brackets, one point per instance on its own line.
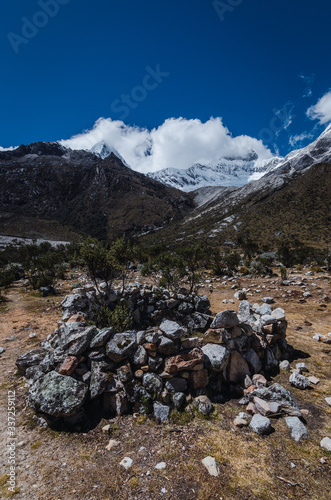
[81, 372]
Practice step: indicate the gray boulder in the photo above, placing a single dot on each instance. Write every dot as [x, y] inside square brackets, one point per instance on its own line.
[261, 425]
[276, 393]
[57, 395]
[101, 338]
[299, 431]
[216, 356]
[203, 404]
[140, 356]
[202, 304]
[326, 444]
[78, 341]
[161, 411]
[171, 329]
[225, 319]
[264, 309]
[99, 380]
[121, 346]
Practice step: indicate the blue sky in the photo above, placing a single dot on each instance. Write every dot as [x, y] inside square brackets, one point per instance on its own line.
[243, 63]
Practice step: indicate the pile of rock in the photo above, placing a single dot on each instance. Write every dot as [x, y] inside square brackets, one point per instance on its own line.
[81, 370]
[148, 304]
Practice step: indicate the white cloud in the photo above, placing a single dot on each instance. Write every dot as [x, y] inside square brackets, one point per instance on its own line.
[177, 143]
[308, 80]
[321, 110]
[295, 139]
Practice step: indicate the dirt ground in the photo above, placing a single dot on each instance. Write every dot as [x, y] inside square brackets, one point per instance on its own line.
[53, 465]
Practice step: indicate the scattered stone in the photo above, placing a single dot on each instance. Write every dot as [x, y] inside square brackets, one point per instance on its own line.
[326, 444]
[212, 466]
[276, 393]
[261, 425]
[240, 295]
[203, 404]
[301, 367]
[285, 365]
[160, 466]
[299, 381]
[106, 428]
[127, 462]
[240, 422]
[299, 431]
[268, 300]
[328, 400]
[2, 349]
[32, 335]
[314, 380]
[179, 400]
[113, 443]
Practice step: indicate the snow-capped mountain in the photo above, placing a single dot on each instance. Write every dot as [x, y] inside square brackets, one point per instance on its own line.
[318, 151]
[103, 151]
[221, 172]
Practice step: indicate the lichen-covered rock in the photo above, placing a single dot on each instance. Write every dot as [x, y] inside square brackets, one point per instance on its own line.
[31, 358]
[121, 346]
[99, 379]
[153, 383]
[161, 411]
[101, 338]
[57, 395]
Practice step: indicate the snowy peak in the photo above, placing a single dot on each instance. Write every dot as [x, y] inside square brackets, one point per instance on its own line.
[101, 150]
[221, 172]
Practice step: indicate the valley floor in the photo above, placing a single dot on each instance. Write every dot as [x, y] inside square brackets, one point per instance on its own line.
[52, 465]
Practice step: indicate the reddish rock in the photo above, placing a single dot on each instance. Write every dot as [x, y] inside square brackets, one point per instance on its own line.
[250, 389]
[198, 379]
[151, 348]
[265, 408]
[269, 329]
[251, 409]
[68, 366]
[214, 336]
[139, 374]
[184, 362]
[259, 380]
[145, 368]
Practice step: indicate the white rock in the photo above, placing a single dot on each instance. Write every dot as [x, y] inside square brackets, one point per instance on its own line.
[212, 466]
[113, 443]
[2, 350]
[326, 444]
[328, 400]
[126, 463]
[160, 465]
[32, 335]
